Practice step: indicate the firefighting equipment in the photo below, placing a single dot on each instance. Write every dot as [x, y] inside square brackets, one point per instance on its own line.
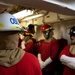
[9, 23]
[46, 27]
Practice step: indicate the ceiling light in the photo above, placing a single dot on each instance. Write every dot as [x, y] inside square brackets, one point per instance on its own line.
[23, 13]
[33, 17]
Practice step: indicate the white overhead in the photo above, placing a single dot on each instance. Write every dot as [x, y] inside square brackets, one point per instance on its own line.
[33, 17]
[23, 13]
[64, 3]
[67, 7]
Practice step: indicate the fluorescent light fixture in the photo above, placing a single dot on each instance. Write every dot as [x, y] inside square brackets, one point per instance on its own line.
[23, 13]
[67, 4]
[33, 17]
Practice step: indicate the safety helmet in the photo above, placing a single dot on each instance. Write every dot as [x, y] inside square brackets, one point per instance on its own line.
[46, 27]
[72, 31]
[9, 23]
[28, 33]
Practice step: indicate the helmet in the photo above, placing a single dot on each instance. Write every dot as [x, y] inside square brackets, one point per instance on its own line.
[72, 31]
[46, 27]
[28, 33]
[9, 23]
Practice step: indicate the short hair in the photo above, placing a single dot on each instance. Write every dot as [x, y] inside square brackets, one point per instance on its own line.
[30, 26]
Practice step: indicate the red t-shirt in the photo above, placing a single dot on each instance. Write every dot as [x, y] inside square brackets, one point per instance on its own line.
[49, 49]
[67, 70]
[28, 65]
[30, 47]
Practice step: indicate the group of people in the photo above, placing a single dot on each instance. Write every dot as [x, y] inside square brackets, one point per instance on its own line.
[35, 58]
[51, 52]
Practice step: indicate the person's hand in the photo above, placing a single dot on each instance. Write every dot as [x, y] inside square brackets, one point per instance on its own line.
[41, 64]
[47, 61]
[40, 61]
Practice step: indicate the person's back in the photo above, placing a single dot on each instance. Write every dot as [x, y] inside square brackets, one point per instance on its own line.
[28, 65]
[13, 60]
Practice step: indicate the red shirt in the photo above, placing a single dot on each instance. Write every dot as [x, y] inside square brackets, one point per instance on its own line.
[34, 40]
[49, 49]
[67, 70]
[28, 65]
[30, 47]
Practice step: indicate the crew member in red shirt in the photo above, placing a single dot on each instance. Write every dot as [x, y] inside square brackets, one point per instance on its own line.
[67, 56]
[14, 60]
[29, 43]
[48, 51]
[31, 27]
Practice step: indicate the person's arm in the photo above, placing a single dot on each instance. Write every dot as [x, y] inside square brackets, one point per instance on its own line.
[47, 61]
[65, 59]
[40, 61]
[68, 61]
